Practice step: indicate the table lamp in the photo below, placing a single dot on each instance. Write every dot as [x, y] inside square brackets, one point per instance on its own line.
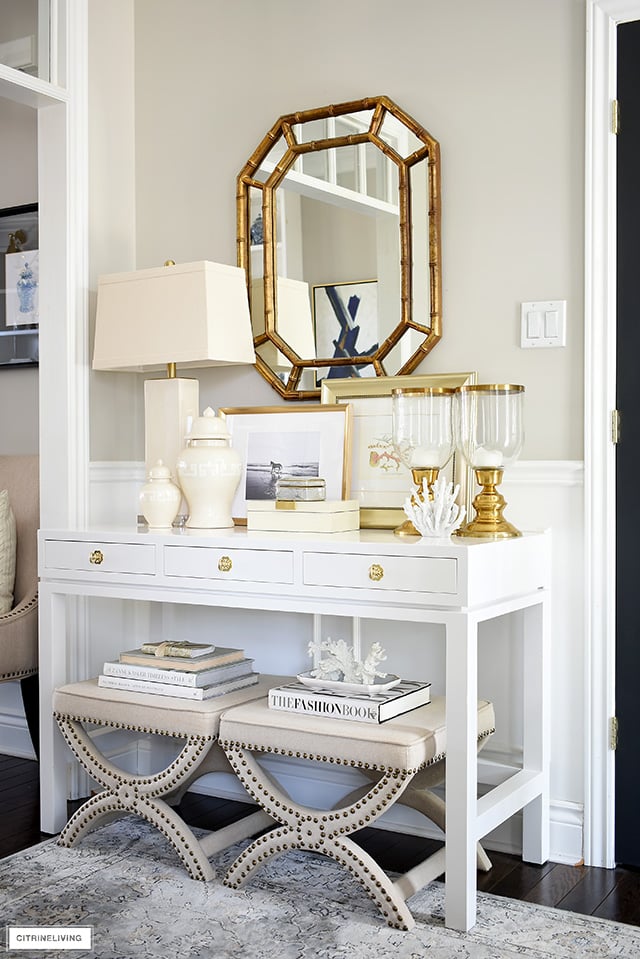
[423, 437]
[490, 434]
[190, 315]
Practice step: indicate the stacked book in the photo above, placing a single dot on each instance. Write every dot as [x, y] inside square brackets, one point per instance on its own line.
[372, 706]
[183, 669]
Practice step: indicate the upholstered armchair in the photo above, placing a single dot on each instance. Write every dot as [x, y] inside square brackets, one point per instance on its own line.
[19, 627]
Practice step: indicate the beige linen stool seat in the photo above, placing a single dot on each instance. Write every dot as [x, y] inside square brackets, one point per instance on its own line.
[151, 797]
[406, 755]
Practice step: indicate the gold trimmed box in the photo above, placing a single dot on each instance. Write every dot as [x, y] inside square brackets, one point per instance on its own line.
[295, 516]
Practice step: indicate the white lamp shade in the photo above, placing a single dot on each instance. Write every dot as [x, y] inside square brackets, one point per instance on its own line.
[191, 314]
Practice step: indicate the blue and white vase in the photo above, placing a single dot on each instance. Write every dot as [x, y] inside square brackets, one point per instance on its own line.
[26, 287]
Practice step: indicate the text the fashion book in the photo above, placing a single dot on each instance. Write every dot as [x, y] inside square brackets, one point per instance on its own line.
[378, 708]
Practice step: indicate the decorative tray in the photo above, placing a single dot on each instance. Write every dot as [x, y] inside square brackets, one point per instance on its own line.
[379, 685]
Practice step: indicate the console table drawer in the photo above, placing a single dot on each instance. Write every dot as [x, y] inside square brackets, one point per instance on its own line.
[240, 565]
[401, 573]
[100, 557]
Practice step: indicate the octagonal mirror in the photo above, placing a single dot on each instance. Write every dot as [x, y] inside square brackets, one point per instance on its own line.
[339, 234]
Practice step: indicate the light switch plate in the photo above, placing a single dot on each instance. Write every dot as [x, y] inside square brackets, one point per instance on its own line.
[543, 324]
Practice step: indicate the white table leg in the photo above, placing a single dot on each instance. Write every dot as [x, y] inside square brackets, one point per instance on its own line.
[461, 774]
[536, 681]
[53, 751]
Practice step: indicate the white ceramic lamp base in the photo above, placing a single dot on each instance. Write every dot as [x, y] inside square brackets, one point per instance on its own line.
[170, 409]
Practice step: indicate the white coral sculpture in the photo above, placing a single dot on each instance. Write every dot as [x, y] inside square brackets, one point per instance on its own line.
[337, 662]
[438, 516]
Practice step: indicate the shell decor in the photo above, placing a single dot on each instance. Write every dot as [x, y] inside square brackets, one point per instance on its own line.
[436, 517]
[339, 663]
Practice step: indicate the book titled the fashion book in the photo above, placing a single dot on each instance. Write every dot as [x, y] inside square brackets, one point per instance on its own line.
[182, 692]
[221, 657]
[180, 677]
[376, 708]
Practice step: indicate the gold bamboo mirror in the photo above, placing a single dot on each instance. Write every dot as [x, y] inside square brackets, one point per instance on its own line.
[339, 234]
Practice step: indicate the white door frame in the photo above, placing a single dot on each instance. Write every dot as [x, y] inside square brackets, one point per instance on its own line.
[603, 17]
[61, 104]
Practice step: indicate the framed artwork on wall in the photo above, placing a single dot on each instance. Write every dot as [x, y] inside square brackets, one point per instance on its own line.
[300, 440]
[379, 481]
[19, 286]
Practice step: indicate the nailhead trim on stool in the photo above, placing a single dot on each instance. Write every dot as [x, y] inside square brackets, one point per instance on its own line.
[327, 832]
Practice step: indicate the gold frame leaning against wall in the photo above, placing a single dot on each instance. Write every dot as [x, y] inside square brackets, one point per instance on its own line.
[391, 140]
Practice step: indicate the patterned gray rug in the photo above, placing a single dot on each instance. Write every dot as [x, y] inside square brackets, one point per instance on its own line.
[125, 882]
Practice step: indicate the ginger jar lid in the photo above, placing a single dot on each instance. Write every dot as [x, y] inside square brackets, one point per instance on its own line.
[209, 427]
[159, 472]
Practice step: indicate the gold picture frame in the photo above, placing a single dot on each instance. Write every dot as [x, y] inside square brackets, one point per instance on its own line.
[380, 483]
[276, 440]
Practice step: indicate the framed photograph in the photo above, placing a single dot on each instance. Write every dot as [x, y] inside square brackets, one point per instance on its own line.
[299, 440]
[345, 322]
[19, 286]
[379, 481]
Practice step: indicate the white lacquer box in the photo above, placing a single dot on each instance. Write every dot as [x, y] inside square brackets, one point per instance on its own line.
[326, 516]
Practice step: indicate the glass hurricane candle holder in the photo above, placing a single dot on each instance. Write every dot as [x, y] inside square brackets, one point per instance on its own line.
[423, 437]
[490, 434]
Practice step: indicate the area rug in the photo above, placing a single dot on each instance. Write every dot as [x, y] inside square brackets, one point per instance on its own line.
[125, 882]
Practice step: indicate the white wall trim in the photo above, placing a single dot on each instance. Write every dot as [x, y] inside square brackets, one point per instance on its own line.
[603, 17]
[545, 473]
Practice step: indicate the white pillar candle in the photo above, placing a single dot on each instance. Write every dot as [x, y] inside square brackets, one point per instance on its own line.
[422, 456]
[486, 459]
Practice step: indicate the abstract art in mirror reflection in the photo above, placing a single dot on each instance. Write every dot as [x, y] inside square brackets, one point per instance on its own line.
[438, 516]
[345, 319]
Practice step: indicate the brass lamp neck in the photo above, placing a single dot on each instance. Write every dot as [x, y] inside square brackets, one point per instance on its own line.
[171, 371]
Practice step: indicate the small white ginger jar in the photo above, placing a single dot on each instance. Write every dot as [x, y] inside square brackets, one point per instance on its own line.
[209, 472]
[159, 498]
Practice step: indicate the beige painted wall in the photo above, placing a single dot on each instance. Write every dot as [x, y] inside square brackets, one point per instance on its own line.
[499, 84]
[18, 185]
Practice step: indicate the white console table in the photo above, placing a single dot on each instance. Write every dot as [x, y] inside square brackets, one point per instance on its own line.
[369, 574]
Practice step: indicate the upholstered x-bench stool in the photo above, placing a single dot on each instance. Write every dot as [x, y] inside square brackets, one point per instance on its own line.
[405, 756]
[82, 704]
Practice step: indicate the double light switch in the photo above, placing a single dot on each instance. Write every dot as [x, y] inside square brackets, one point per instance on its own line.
[543, 323]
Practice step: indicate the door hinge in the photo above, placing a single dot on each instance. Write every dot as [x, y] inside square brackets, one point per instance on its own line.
[615, 116]
[613, 732]
[616, 426]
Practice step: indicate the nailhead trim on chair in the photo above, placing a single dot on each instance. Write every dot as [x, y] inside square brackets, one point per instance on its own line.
[358, 764]
[22, 607]
[18, 673]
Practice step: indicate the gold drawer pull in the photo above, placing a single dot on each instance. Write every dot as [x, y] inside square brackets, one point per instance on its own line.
[376, 572]
[224, 564]
[96, 557]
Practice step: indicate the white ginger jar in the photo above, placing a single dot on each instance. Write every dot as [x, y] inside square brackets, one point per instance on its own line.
[209, 472]
[159, 498]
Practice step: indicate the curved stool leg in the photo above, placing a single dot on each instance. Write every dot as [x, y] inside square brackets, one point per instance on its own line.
[125, 792]
[430, 805]
[320, 832]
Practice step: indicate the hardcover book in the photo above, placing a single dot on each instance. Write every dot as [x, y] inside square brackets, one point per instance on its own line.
[180, 677]
[376, 708]
[183, 648]
[182, 692]
[221, 657]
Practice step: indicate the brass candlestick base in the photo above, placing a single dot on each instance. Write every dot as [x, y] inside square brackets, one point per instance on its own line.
[489, 504]
[430, 475]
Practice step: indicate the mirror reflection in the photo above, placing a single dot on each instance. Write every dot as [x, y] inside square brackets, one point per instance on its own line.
[338, 231]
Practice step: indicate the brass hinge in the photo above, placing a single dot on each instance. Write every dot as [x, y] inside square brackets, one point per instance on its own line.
[616, 426]
[615, 116]
[613, 732]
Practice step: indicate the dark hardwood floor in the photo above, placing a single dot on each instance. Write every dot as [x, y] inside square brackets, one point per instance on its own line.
[607, 893]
